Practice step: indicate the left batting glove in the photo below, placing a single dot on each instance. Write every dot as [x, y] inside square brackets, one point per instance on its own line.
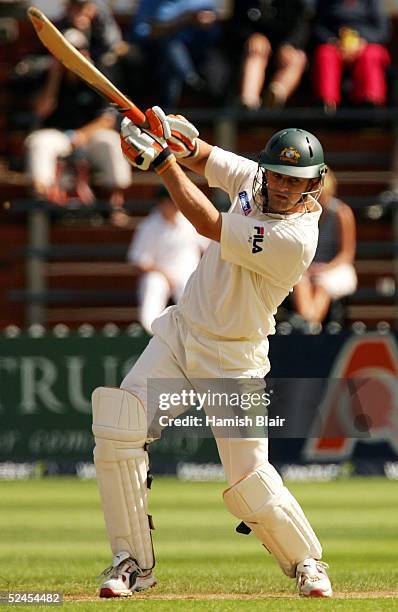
[179, 133]
[143, 150]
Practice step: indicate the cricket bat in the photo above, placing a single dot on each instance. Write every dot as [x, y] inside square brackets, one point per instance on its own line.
[72, 59]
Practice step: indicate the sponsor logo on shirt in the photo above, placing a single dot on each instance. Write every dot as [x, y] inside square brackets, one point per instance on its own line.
[244, 202]
[257, 239]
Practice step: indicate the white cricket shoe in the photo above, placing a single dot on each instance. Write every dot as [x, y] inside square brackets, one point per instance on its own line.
[124, 577]
[312, 579]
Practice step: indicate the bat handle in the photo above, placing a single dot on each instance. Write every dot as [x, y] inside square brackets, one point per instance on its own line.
[136, 116]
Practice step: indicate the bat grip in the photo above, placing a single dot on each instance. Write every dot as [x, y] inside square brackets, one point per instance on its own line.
[136, 116]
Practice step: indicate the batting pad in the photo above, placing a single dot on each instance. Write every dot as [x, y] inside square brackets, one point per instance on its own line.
[120, 430]
[268, 508]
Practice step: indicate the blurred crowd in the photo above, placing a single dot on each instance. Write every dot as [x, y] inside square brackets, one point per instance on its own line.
[250, 53]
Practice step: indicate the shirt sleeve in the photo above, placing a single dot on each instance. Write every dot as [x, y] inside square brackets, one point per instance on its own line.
[228, 171]
[273, 251]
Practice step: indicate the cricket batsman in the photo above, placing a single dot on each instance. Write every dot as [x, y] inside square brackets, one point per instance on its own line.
[219, 330]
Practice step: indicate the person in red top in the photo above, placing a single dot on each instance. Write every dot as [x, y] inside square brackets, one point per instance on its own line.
[351, 34]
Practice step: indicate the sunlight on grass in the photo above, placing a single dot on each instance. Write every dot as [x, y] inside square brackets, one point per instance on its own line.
[53, 529]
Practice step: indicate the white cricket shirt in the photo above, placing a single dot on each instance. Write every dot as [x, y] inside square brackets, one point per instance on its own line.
[240, 282]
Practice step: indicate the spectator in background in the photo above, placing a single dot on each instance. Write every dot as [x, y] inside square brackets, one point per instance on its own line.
[166, 249]
[278, 29]
[99, 26]
[331, 275]
[75, 120]
[351, 34]
[122, 63]
[179, 38]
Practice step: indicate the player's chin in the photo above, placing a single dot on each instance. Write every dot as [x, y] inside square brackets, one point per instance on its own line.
[280, 203]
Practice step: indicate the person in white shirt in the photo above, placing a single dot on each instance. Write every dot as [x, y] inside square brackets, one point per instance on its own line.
[166, 249]
[218, 331]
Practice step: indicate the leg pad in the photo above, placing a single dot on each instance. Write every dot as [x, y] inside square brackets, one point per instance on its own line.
[121, 461]
[268, 508]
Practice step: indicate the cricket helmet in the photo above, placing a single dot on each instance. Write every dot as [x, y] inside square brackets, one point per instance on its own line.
[293, 152]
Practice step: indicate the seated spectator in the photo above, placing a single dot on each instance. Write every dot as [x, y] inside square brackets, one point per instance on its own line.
[97, 23]
[122, 63]
[179, 38]
[350, 34]
[166, 249]
[277, 29]
[331, 275]
[73, 119]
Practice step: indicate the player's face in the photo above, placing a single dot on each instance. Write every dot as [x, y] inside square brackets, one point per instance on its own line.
[285, 192]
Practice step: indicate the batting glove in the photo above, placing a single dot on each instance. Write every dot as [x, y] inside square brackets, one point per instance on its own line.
[179, 133]
[143, 150]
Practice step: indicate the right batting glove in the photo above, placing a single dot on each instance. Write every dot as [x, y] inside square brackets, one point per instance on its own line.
[143, 150]
[179, 133]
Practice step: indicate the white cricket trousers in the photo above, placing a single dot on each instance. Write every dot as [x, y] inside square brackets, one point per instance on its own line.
[178, 354]
[44, 147]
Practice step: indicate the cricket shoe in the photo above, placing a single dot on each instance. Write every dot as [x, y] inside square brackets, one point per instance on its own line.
[124, 577]
[312, 579]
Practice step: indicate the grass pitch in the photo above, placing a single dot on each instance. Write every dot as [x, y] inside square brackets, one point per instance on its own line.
[53, 539]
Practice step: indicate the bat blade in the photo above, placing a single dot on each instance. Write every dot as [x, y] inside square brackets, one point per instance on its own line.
[72, 59]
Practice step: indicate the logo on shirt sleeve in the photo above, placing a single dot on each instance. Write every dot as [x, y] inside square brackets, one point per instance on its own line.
[245, 203]
[257, 238]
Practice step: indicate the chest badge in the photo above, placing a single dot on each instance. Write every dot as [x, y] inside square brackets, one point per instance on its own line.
[245, 203]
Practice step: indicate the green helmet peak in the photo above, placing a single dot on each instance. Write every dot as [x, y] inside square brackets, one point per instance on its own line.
[294, 152]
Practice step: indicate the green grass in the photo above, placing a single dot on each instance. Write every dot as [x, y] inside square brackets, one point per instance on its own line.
[53, 539]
